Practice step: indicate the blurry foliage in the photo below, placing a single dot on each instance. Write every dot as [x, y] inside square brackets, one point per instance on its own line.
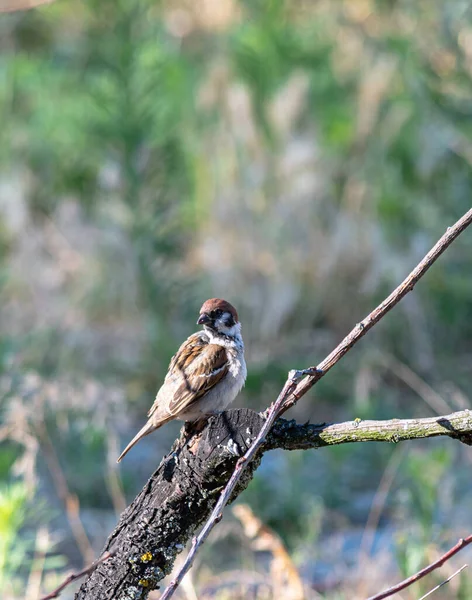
[296, 157]
[426, 496]
[110, 106]
[20, 553]
[12, 516]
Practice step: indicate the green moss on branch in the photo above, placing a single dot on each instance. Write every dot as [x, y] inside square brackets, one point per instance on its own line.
[291, 436]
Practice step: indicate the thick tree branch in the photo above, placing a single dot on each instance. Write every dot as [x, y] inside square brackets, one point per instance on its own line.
[185, 488]
[291, 436]
[175, 501]
[217, 513]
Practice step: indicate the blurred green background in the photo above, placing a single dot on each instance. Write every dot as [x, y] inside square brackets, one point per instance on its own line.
[296, 157]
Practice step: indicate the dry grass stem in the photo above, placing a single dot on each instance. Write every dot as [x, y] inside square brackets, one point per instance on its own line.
[285, 577]
[444, 582]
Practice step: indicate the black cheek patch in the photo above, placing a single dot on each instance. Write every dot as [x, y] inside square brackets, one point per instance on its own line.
[229, 321]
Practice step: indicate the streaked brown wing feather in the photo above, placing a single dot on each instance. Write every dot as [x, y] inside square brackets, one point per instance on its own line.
[196, 382]
[194, 370]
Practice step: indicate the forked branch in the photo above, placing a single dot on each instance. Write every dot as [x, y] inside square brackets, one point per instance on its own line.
[292, 391]
[289, 435]
[196, 480]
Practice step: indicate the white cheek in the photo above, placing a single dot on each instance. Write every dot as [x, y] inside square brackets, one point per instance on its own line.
[220, 324]
[232, 331]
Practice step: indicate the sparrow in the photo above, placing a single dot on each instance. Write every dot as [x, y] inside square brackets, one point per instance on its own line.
[206, 373]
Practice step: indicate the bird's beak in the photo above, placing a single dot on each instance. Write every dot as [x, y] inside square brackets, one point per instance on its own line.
[203, 319]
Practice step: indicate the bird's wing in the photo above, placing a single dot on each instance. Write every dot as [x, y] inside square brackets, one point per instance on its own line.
[193, 371]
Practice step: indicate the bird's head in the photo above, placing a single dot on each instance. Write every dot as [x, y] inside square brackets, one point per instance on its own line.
[219, 316]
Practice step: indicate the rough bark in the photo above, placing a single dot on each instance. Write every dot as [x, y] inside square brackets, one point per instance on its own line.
[174, 502]
[182, 492]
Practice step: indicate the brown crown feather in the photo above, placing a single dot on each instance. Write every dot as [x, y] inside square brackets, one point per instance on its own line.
[218, 303]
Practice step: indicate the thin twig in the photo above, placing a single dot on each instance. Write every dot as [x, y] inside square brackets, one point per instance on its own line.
[216, 515]
[382, 309]
[444, 582]
[73, 576]
[292, 392]
[417, 576]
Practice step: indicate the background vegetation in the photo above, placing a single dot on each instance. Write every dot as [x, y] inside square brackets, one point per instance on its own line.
[295, 157]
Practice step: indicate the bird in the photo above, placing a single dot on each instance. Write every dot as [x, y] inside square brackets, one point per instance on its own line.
[205, 375]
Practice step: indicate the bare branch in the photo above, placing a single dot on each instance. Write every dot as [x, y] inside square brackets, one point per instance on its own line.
[417, 576]
[444, 582]
[182, 492]
[382, 309]
[291, 392]
[74, 576]
[291, 436]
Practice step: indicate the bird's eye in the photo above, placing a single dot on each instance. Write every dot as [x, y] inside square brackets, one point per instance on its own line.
[217, 313]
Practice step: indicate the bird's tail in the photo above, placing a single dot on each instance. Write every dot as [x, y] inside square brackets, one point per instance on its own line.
[146, 430]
